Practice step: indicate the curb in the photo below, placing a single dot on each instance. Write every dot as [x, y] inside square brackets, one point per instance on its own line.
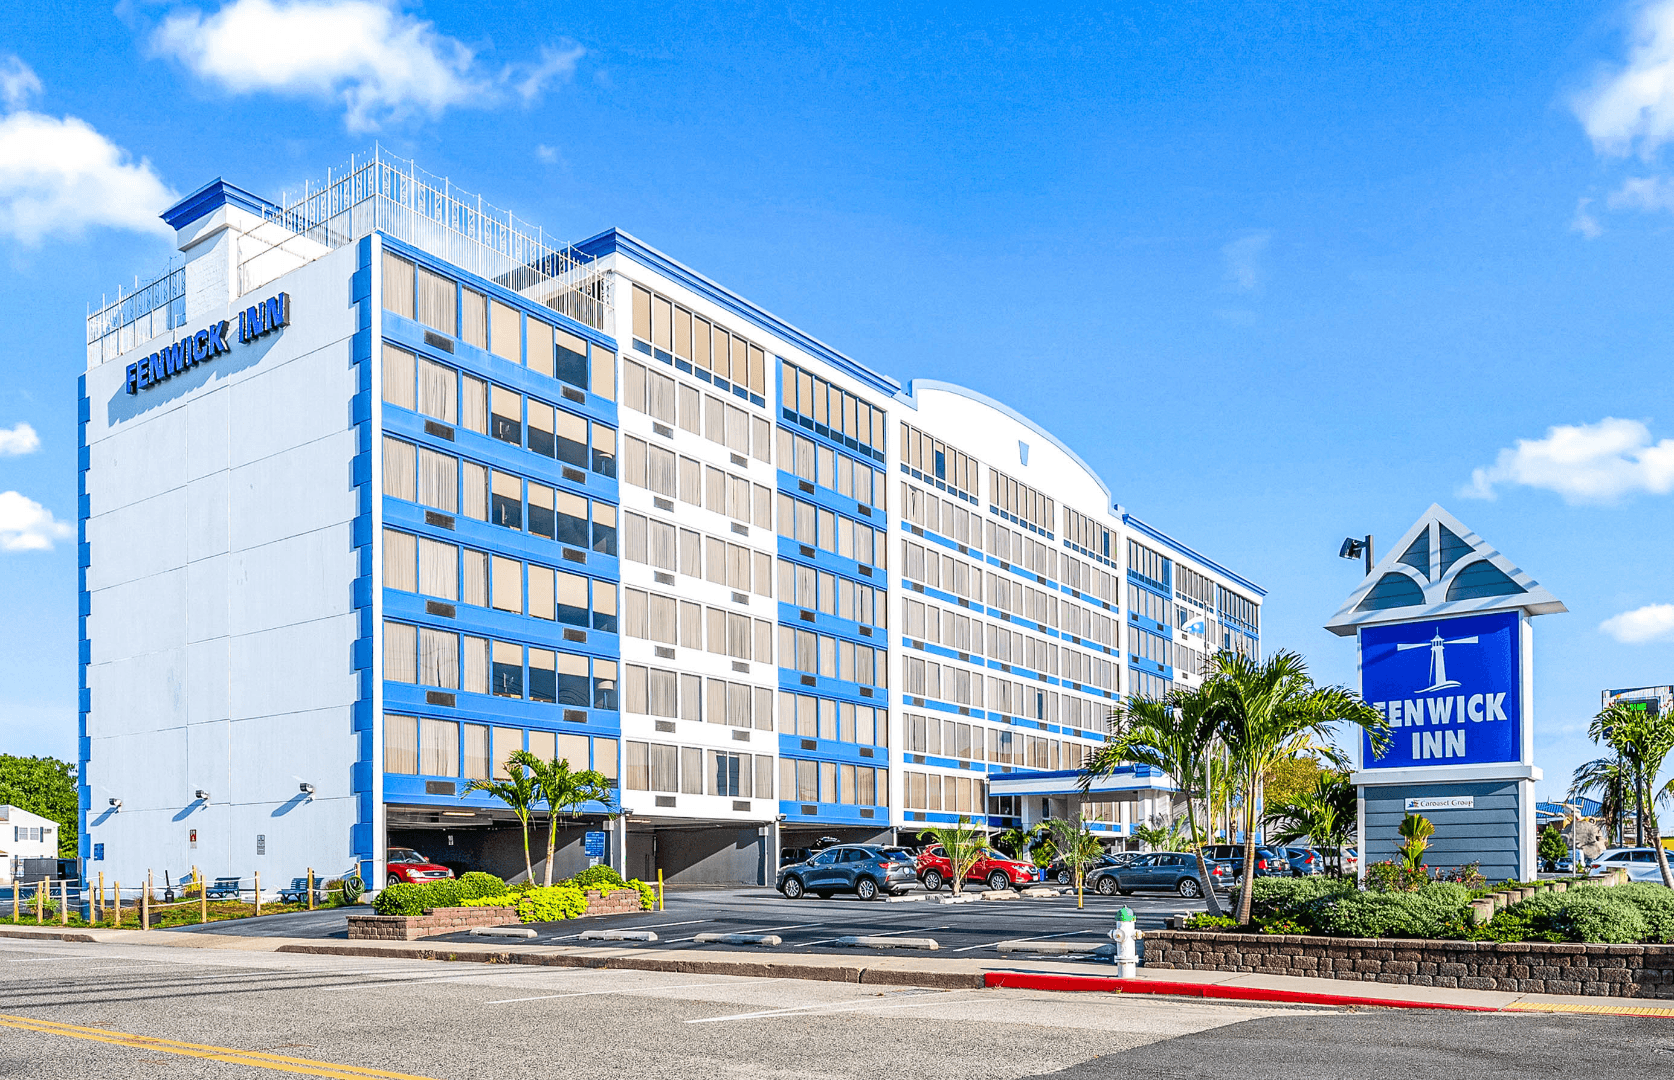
[1084, 983]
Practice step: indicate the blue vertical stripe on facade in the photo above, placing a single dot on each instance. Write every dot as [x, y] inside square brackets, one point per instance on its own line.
[84, 605]
[362, 843]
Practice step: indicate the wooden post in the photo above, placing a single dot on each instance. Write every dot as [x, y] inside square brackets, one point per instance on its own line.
[40, 902]
[116, 892]
[203, 897]
[258, 892]
[660, 906]
[98, 911]
[16, 899]
[310, 888]
[63, 901]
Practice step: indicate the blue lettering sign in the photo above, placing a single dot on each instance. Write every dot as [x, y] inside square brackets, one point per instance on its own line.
[593, 844]
[208, 343]
[1451, 689]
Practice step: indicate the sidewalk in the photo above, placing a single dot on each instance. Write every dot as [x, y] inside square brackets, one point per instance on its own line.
[931, 972]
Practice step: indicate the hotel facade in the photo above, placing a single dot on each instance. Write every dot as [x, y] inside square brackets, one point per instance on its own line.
[380, 485]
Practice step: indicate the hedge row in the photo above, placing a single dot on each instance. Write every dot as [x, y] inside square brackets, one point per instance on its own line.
[534, 903]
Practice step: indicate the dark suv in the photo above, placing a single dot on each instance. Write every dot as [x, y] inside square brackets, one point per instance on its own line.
[864, 871]
[1269, 862]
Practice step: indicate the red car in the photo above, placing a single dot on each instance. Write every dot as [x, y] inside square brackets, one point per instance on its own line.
[992, 868]
[405, 864]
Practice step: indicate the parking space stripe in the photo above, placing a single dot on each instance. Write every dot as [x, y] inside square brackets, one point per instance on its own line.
[1041, 937]
[598, 993]
[805, 1010]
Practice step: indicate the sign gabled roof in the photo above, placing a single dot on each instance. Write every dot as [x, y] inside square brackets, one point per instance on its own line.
[1440, 567]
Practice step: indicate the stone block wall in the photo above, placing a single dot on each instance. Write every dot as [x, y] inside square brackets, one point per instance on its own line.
[1526, 967]
[437, 922]
[614, 902]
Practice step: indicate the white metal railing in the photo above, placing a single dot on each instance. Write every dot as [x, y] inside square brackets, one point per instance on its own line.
[394, 196]
[148, 310]
[386, 194]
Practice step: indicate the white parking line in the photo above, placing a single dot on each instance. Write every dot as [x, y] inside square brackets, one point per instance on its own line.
[599, 993]
[887, 933]
[805, 1010]
[1041, 937]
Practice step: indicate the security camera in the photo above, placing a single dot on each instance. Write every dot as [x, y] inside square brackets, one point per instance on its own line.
[116, 804]
[306, 789]
[1352, 549]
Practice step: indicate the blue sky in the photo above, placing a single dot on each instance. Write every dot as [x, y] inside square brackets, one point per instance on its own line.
[1281, 272]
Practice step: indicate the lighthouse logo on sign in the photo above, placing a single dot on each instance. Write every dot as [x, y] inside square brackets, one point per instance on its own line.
[1450, 688]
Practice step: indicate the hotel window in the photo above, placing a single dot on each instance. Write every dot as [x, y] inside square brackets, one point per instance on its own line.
[1148, 564]
[400, 469]
[938, 464]
[401, 745]
[823, 466]
[438, 392]
[543, 675]
[822, 718]
[400, 652]
[505, 332]
[507, 741]
[437, 302]
[842, 415]
[506, 501]
[1090, 537]
[438, 480]
[438, 747]
[476, 754]
[1018, 502]
[473, 320]
[676, 336]
[506, 415]
[506, 674]
[398, 377]
[400, 561]
[473, 404]
[398, 285]
[438, 658]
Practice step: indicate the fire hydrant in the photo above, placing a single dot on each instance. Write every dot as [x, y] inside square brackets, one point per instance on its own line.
[1125, 935]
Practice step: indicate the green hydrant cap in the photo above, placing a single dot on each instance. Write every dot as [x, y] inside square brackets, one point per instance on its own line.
[1124, 915]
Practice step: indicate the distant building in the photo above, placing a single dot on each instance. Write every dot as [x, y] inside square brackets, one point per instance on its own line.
[1654, 699]
[25, 838]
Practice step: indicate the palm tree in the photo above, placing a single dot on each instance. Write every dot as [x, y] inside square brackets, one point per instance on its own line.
[1270, 709]
[1642, 740]
[1077, 847]
[1152, 835]
[962, 846]
[1605, 779]
[1324, 815]
[518, 792]
[565, 791]
[1174, 735]
[1416, 831]
[1018, 840]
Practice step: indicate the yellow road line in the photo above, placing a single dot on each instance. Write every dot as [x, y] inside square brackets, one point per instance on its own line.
[255, 1058]
[1606, 1010]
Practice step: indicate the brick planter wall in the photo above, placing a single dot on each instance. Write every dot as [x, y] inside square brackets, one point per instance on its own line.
[1526, 967]
[439, 921]
[615, 902]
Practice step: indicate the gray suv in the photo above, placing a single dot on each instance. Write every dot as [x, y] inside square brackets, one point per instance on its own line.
[864, 871]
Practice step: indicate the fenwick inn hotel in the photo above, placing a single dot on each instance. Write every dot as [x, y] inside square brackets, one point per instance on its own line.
[381, 484]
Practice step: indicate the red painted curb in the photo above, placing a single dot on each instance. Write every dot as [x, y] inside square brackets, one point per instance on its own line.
[1016, 980]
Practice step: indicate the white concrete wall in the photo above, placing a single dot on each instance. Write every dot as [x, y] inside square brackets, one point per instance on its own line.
[221, 506]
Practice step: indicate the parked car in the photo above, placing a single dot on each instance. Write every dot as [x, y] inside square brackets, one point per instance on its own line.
[1304, 861]
[1640, 863]
[1269, 862]
[1350, 858]
[996, 870]
[863, 870]
[406, 865]
[1060, 871]
[1175, 871]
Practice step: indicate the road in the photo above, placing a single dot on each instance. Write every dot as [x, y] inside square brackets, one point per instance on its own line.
[150, 1013]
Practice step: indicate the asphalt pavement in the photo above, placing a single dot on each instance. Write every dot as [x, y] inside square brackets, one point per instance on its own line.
[814, 925]
[144, 1013]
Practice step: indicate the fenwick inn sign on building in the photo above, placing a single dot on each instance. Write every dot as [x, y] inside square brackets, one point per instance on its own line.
[255, 321]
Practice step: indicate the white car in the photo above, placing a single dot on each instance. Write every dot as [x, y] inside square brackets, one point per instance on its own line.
[1640, 863]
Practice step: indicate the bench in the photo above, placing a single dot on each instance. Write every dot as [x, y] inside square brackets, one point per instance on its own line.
[223, 888]
[297, 891]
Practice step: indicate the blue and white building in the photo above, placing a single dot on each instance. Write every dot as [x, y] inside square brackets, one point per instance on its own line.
[381, 484]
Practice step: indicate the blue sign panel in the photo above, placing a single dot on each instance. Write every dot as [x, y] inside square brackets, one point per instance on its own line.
[594, 844]
[1451, 688]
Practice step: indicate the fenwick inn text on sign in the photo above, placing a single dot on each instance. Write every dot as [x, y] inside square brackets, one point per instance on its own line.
[194, 349]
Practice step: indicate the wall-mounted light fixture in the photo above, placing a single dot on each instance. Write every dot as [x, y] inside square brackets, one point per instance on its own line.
[203, 796]
[307, 789]
[116, 804]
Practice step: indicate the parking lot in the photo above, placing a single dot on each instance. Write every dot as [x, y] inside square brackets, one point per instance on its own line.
[810, 925]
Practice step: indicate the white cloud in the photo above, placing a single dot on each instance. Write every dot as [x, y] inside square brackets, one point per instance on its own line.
[556, 63]
[1653, 622]
[1585, 463]
[60, 176]
[18, 82]
[26, 525]
[1633, 105]
[1583, 222]
[546, 153]
[18, 440]
[1243, 265]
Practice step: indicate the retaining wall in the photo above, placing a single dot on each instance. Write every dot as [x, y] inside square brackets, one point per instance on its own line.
[1525, 967]
[437, 922]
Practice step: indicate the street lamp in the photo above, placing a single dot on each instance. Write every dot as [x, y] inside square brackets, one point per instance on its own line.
[1354, 549]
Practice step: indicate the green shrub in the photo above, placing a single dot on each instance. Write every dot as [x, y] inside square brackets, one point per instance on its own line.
[647, 894]
[550, 903]
[599, 877]
[1436, 910]
[443, 893]
[476, 885]
[1205, 921]
[403, 898]
[503, 900]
